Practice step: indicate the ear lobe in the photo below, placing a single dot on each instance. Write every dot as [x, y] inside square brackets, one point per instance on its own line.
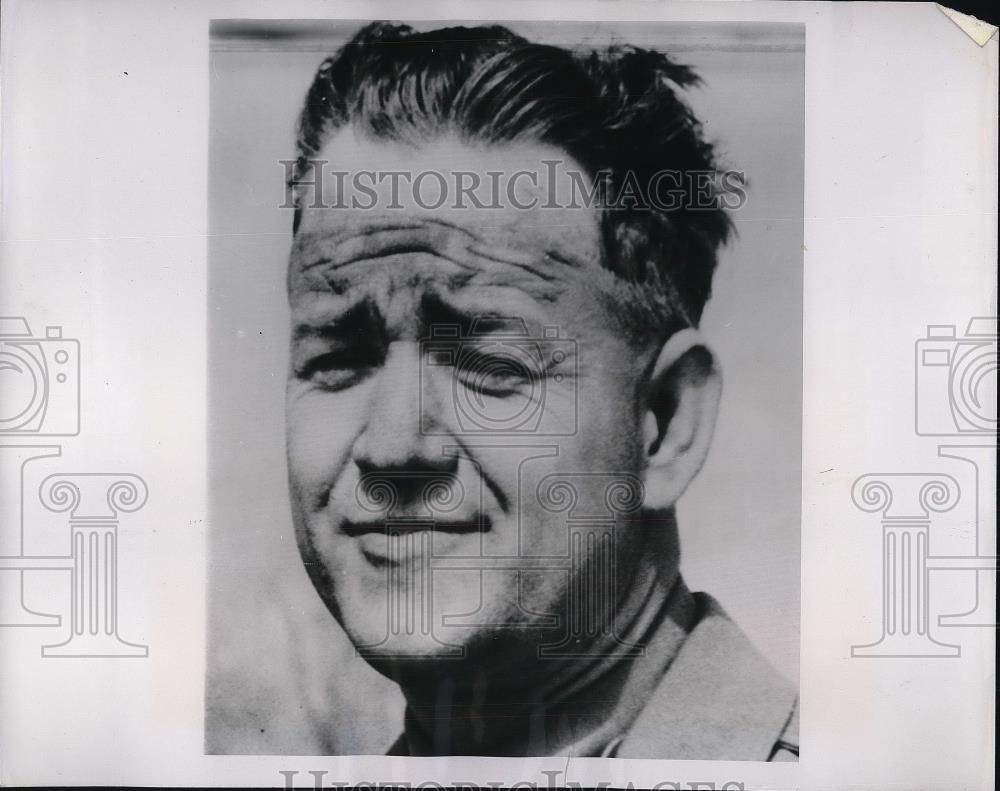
[682, 400]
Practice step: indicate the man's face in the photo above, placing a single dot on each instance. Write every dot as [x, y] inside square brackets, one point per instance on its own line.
[445, 364]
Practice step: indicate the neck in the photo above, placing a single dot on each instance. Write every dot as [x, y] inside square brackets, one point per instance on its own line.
[577, 701]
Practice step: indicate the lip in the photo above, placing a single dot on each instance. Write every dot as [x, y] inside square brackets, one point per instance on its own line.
[397, 541]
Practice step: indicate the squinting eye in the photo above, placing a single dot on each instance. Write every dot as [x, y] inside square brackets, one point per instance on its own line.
[336, 370]
[495, 374]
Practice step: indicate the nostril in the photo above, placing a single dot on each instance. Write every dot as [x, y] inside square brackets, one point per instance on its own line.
[365, 467]
[416, 465]
[418, 484]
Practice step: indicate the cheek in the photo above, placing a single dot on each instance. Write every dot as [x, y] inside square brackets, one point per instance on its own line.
[610, 431]
[320, 431]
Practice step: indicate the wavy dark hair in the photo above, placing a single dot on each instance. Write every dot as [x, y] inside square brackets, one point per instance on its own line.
[615, 110]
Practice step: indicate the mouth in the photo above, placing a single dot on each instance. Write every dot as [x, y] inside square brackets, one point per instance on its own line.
[393, 542]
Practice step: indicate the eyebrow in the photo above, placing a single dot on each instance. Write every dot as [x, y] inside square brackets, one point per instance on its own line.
[437, 312]
[330, 324]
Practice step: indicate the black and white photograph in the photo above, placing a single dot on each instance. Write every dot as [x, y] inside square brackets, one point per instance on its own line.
[493, 395]
[469, 426]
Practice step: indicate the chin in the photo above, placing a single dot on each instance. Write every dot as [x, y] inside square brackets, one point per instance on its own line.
[405, 625]
[419, 662]
[414, 657]
[451, 651]
[408, 623]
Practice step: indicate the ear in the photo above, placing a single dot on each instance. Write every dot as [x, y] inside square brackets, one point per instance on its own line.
[681, 402]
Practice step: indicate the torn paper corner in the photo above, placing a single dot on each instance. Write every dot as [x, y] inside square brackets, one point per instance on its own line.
[976, 29]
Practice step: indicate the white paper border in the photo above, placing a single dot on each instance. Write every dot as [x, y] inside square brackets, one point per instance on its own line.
[102, 174]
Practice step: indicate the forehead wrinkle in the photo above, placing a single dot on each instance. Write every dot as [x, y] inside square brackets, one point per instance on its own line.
[396, 295]
[388, 273]
[343, 249]
[528, 245]
[546, 289]
[344, 223]
[543, 277]
[387, 277]
[348, 236]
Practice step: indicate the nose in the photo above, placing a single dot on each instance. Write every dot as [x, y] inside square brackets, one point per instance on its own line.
[393, 438]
